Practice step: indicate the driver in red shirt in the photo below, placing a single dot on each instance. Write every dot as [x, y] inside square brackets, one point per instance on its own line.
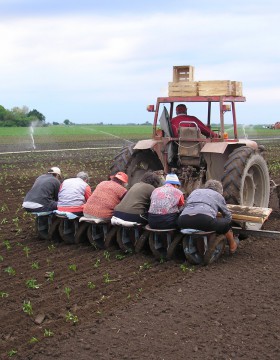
[181, 111]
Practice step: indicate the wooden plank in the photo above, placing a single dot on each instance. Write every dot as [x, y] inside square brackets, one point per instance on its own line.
[248, 213]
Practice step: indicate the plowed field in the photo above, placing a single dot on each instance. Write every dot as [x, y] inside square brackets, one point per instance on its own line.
[148, 310]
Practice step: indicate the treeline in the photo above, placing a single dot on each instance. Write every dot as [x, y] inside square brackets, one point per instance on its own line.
[20, 116]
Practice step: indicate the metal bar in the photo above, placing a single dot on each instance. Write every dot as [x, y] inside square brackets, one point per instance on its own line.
[200, 99]
[155, 119]
[257, 233]
[222, 129]
[209, 114]
[234, 119]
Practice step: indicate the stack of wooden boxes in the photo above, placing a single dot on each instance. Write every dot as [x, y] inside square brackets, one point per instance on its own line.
[184, 85]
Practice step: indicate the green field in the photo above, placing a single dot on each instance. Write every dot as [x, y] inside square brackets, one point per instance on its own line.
[88, 133]
[76, 133]
[122, 131]
[62, 130]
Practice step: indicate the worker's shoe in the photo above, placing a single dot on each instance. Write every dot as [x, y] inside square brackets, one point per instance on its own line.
[233, 249]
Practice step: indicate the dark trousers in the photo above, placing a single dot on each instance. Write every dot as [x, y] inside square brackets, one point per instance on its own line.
[204, 223]
[51, 207]
[167, 221]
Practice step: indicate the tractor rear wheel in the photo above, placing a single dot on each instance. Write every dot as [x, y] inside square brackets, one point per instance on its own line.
[141, 162]
[121, 160]
[246, 180]
[135, 163]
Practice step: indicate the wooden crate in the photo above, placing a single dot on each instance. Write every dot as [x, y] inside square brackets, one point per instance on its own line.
[237, 88]
[183, 73]
[182, 88]
[214, 88]
[220, 88]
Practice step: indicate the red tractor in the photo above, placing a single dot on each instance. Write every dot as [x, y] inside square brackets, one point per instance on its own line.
[276, 125]
[238, 163]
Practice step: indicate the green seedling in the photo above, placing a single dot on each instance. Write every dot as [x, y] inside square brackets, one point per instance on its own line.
[4, 208]
[128, 296]
[51, 247]
[7, 244]
[19, 230]
[1, 258]
[185, 268]
[106, 255]
[72, 267]
[107, 279]
[139, 292]
[50, 275]
[12, 353]
[27, 307]
[145, 266]
[67, 291]
[3, 294]
[32, 284]
[97, 263]
[72, 318]
[11, 271]
[33, 340]
[26, 251]
[4, 221]
[120, 256]
[48, 333]
[91, 285]
[35, 265]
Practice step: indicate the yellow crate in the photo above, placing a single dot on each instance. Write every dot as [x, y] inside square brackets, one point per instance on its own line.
[182, 88]
[214, 88]
[220, 88]
[183, 73]
[237, 88]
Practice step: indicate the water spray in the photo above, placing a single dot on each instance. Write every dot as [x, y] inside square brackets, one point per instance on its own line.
[31, 131]
[245, 135]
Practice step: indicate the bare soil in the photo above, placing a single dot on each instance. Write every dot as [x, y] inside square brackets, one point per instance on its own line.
[150, 310]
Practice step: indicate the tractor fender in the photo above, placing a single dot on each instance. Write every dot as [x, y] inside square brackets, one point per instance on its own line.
[146, 144]
[220, 147]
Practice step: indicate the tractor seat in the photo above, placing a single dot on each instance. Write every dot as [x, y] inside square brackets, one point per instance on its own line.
[188, 148]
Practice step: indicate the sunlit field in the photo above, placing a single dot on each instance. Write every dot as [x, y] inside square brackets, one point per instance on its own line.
[124, 131]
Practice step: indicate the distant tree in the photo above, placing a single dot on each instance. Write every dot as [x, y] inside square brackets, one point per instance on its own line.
[20, 110]
[36, 114]
[20, 116]
[55, 123]
[3, 112]
[67, 122]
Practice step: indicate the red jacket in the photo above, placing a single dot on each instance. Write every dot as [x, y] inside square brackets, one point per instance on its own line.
[182, 117]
